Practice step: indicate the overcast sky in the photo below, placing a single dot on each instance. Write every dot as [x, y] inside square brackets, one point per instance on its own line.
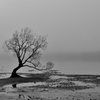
[71, 25]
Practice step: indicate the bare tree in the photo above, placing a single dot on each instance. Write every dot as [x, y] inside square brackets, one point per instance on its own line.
[27, 48]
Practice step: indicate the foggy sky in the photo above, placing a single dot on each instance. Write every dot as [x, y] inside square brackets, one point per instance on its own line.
[72, 26]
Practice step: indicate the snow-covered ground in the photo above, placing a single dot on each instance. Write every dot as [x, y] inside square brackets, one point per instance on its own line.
[31, 93]
[28, 91]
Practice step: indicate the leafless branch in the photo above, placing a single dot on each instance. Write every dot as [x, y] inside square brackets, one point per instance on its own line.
[33, 67]
[27, 48]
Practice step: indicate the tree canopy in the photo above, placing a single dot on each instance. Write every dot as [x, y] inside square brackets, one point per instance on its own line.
[27, 47]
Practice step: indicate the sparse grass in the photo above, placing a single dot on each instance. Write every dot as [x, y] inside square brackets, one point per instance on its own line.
[67, 84]
[62, 84]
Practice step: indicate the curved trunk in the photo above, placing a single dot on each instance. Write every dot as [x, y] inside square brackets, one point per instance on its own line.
[15, 75]
[14, 72]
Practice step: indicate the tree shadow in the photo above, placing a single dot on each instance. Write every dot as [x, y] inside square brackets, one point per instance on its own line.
[18, 80]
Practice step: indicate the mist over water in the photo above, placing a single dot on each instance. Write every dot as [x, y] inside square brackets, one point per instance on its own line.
[68, 63]
[78, 67]
[71, 26]
[75, 63]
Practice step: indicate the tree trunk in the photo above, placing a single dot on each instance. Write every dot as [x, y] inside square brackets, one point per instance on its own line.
[14, 72]
[15, 75]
